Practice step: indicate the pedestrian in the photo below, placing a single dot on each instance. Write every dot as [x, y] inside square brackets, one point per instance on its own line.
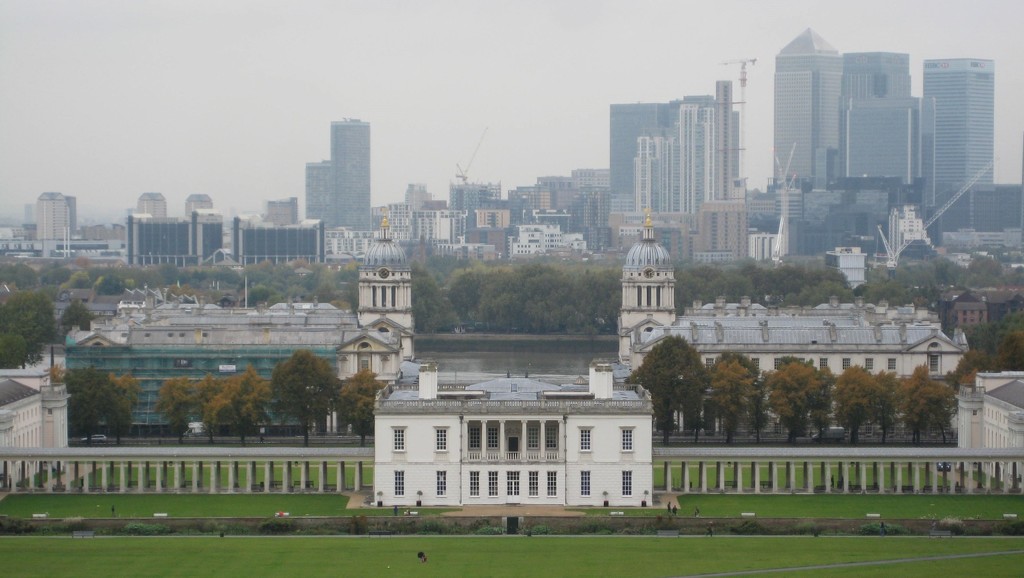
[669, 506]
[112, 512]
[675, 510]
[881, 529]
[711, 529]
[696, 512]
[396, 510]
[422, 557]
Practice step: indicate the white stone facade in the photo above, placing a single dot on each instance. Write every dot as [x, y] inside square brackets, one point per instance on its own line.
[33, 418]
[513, 441]
[991, 412]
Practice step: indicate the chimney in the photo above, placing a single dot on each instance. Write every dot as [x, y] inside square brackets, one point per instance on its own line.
[720, 302]
[600, 379]
[719, 332]
[428, 380]
[697, 304]
[745, 301]
[858, 301]
[903, 332]
[765, 336]
[833, 301]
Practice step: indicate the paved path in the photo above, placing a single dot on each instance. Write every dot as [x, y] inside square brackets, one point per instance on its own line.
[792, 569]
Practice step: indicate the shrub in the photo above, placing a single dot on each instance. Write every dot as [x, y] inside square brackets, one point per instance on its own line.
[490, 531]
[539, 530]
[139, 529]
[432, 527]
[806, 528]
[749, 528]
[276, 526]
[874, 528]
[357, 525]
[954, 525]
[16, 526]
[1012, 528]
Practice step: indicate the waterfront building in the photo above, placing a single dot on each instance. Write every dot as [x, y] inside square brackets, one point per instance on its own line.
[513, 440]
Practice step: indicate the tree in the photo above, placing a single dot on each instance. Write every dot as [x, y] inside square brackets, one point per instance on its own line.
[76, 315]
[355, 402]
[90, 394]
[854, 396]
[305, 388]
[1011, 352]
[732, 386]
[206, 390]
[242, 402]
[124, 394]
[30, 315]
[819, 403]
[671, 371]
[925, 403]
[430, 308]
[973, 361]
[177, 401]
[790, 387]
[13, 350]
[885, 404]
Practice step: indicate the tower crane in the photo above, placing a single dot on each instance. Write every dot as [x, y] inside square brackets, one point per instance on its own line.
[894, 245]
[743, 62]
[786, 182]
[463, 174]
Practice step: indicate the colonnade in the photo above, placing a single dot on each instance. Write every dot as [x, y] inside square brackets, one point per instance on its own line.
[545, 445]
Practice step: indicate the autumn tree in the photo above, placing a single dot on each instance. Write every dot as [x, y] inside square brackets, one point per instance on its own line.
[819, 403]
[89, 389]
[925, 402]
[790, 387]
[732, 386]
[885, 402]
[305, 388]
[671, 372]
[206, 389]
[124, 394]
[854, 394]
[1010, 354]
[242, 402]
[177, 401]
[972, 362]
[355, 402]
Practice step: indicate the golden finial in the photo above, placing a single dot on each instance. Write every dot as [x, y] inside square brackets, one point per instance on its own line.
[384, 221]
[647, 219]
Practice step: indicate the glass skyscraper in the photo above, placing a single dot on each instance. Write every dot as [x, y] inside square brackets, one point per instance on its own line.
[338, 190]
[962, 91]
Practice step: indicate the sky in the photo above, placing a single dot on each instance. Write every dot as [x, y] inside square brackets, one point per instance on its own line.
[106, 100]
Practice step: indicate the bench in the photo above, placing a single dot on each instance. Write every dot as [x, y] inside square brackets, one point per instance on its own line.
[872, 515]
[668, 533]
[83, 534]
[380, 532]
[160, 515]
[40, 515]
[1009, 516]
[940, 534]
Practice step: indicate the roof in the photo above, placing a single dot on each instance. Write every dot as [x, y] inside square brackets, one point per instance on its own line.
[12, 391]
[1011, 393]
[808, 42]
[516, 389]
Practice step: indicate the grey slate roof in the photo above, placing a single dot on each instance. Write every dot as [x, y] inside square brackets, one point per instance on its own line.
[1012, 393]
[12, 391]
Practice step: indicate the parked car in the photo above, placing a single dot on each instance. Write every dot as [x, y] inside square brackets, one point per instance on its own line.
[96, 439]
[830, 435]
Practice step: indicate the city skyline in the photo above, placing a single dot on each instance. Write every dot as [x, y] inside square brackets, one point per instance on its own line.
[106, 101]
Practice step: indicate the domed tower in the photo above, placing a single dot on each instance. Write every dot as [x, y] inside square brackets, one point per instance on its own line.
[385, 283]
[648, 290]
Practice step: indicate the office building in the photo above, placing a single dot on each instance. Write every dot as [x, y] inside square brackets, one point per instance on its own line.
[180, 242]
[629, 122]
[197, 201]
[808, 79]
[698, 151]
[338, 190]
[469, 197]
[53, 217]
[152, 204]
[255, 241]
[963, 93]
[283, 212]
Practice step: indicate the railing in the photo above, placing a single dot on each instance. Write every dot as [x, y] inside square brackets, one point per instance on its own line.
[529, 456]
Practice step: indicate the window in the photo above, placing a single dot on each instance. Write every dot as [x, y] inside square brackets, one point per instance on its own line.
[533, 437]
[933, 362]
[492, 483]
[846, 363]
[627, 440]
[757, 363]
[442, 483]
[778, 362]
[585, 440]
[474, 484]
[534, 478]
[823, 363]
[551, 438]
[709, 362]
[627, 483]
[399, 483]
[512, 483]
[441, 439]
[492, 437]
[869, 363]
[552, 484]
[399, 436]
[585, 483]
[474, 438]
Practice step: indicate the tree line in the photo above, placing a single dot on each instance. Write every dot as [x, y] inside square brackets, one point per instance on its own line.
[734, 393]
[303, 390]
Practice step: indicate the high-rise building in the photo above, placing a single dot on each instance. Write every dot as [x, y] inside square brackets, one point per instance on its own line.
[283, 212]
[808, 78]
[655, 171]
[197, 201]
[338, 190]
[727, 144]
[181, 242]
[152, 204]
[53, 216]
[469, 197]
[876, 75]
[963, 93]
[698, 150]
[629, 122]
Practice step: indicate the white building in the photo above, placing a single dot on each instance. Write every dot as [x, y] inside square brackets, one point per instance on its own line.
[53, 217]
[850, 262]
[153, 204]
[513, 441]
[760, 245]
[991, 412]
[31, 417]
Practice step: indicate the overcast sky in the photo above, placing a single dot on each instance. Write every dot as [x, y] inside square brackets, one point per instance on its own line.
[108, 99]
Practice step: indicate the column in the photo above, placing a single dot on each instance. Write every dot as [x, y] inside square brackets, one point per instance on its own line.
[286, 476]
[1013, 476]
[917, 477]
[501, 440]
[899, 479]
[232, 476]
[322, 477]
[250, 476]
[775, 475]
[304, 475]
[862, 474]
[988, 478]
[195, 477]
[124, 479]
[738, 476]
[179, 474]
[978, 477]
[880, 477]
[160, 478]
[544, 448]
[268, 475]
[358, 485]
[685, 471]
[719, 477]
[703, 473]
[808, 477]
[844, 474]
[140, 467]
[755, 476]
[826, 476]
[340, 476]
[522, 440]
[49, 477]
[668, 476]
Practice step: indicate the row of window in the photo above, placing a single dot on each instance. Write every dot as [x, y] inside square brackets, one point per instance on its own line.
[532, 439]
[512, 483]
[626, 439]
[847, 362]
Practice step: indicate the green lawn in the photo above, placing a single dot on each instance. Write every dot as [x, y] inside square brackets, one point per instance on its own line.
[500, 556]
[175, 505]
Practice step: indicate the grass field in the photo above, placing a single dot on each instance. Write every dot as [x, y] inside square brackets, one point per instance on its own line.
[177, 506]
[501, 556]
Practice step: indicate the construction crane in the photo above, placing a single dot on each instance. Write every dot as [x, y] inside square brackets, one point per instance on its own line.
[894, 246]
[786, 182]
[743, 62]
[463, 174]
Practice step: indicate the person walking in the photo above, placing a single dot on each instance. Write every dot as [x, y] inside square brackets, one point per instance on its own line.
[711, 529]
[881, 529]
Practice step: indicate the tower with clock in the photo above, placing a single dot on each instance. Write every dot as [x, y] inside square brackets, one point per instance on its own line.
[648, 290]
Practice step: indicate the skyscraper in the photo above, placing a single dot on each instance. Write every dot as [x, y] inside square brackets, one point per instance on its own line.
[808, 78]
[698, 152]
[53, 216]
[629, 122]
[197, 201]
[876, 75]
[152, 204]
[338, 190]
[728, 146]
[963, 93]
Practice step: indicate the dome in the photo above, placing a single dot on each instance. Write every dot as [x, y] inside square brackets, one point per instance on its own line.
[384, 252]
[647, 252]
